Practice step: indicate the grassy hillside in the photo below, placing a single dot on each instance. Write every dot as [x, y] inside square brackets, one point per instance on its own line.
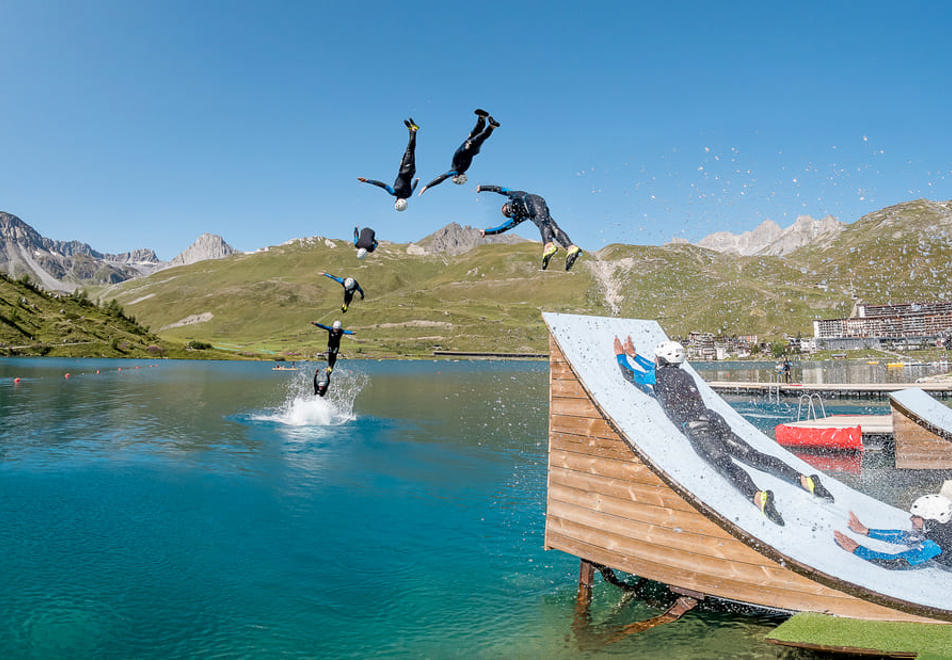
[490, 299]
[35, 322]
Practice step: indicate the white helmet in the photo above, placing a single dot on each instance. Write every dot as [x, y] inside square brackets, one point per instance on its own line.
[670, 352]
[459, 179]
[400, 205]
[933, 507]
[349, 283]
[336, 325]
[361, 253]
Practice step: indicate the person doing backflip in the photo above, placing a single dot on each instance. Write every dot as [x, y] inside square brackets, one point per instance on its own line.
[404, 184]
[709, 434]
[526, 206]
[930, 539]
[334, 334]
[322, 380]
[350, 288]
[365, 241]
[463, 157]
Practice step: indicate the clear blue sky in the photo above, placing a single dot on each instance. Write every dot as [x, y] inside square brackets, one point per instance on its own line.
[143, 124]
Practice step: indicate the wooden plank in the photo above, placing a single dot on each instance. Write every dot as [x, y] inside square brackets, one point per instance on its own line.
[831, 602]
[607, 467]
[917, 448]
[690, 525]
[567, 389]
[581, 444]
[650, 491]
[581, 426]
[574, 408]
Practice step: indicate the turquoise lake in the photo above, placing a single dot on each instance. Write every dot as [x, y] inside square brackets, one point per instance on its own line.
[218, 509]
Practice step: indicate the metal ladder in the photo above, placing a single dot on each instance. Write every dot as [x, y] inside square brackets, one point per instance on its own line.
[807, 400]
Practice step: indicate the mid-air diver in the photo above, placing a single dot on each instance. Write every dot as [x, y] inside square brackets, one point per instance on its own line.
[463, 157]
[405, 184]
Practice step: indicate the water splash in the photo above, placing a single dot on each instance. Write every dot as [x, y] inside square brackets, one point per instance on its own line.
[302, 408]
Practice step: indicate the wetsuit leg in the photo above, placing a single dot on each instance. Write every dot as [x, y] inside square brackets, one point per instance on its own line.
[712, 449]
[331, 356]
[560, 236]
[478, 128]
[348, 297]
[744, 453]
[408, 162]
[545, 229]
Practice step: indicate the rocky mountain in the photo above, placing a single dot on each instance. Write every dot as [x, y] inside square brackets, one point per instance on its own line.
[454, 240]
[206, 246]
[67, 265]
[769, 239]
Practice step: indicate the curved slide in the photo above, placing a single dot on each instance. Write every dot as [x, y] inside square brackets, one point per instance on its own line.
[806, 541]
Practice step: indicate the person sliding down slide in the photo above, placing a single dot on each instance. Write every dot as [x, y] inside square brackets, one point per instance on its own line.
[709, 434]
[526, 206]
[463, 157]
[402, 188]
[350, 288]
[929, 541]
[334, 334]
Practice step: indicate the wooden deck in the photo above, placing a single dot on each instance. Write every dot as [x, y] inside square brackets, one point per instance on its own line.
[606, 505]
[851, 390]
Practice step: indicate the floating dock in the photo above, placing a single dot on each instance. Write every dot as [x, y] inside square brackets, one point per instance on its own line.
[845, 390]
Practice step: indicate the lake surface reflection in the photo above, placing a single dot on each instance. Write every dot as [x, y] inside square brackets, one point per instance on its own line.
[200, 509]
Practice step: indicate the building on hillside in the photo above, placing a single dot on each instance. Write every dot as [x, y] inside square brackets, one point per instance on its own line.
[707, 346]
[873, 326]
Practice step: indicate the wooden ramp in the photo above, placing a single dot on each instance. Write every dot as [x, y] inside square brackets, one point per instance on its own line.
[922, 431]
[626, 491]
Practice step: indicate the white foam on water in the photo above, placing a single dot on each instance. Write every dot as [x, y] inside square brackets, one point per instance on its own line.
[303, 408]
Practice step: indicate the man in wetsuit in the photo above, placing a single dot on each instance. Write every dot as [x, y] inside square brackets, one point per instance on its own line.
[334, 334]
[350, 288]
[365, 241]
[929, 541]
[402, 188]
[322, 380]
[526, 206]
[463, 158]
[709, 434]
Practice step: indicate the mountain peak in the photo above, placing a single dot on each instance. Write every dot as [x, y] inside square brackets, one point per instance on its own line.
[206, 246]
[454, 239]
[769, 239]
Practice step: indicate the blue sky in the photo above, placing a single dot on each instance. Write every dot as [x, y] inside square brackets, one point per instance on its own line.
[143, 124]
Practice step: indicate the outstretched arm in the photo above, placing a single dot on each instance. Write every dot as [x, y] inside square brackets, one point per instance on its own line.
[320, 325]
[413, 187]
[339, 280]
[360, 291]
[642, 379]
[438, 180]
[379, 184]
[506, 226]
[350, 332]
[496, 189]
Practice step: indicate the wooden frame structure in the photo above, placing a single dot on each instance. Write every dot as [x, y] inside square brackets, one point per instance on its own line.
[920, 445]
[606, 505]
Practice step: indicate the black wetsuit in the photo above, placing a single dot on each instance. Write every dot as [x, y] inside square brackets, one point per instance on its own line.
[333, 341]
[463, 157]
[367, 239]
[708, 432]
[711, 435]
[527, 206]
[322, 381]
[348, 291]
[405, 184]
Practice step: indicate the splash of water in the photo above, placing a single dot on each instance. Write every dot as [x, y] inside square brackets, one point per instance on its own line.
[303, 408]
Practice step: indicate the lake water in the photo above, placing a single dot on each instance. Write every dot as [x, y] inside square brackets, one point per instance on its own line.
[217, 509]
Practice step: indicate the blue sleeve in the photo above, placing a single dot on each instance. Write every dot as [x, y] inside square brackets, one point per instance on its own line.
[348, 332]
[415, 182]
[893, 536]
[506, 226]
[339, 280]
[912, 557]
[643, 380]
[645, 363]
[360, 291]
[321, 325]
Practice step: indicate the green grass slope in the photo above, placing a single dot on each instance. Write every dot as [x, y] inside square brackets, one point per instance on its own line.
[35, 322]
[490, 298]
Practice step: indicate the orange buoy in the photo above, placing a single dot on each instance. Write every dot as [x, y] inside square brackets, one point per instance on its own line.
[97, 371]
[66, 375]
[120, 368]
[16, 380]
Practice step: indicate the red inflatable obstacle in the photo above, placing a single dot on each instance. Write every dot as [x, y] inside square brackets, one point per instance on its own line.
[848, 438]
